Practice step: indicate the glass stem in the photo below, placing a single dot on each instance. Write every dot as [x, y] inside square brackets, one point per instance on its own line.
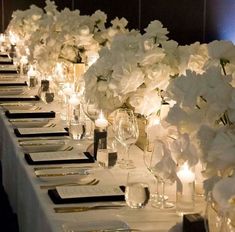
[161, 193]
[127, 153]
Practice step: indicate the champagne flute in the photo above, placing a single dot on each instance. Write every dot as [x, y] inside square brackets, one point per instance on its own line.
[157, 166]
[126, 132]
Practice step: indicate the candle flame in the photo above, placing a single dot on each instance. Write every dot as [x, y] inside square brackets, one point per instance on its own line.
[101, 115]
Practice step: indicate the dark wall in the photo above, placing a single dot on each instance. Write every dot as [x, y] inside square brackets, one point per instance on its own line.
[187, 20]
[220, 22]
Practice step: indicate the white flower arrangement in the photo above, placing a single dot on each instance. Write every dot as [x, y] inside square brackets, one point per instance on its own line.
[62, 35]
[131, 71]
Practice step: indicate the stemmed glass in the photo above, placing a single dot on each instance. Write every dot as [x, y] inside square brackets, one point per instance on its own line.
[157, 165]
[92, 111]
[126, 131]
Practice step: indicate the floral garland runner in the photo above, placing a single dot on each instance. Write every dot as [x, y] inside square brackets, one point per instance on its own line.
[147, 72]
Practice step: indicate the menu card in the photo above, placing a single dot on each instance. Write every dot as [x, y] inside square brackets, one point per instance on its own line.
[88, 191]
[8, 68]
[58, 157]
[5, 60]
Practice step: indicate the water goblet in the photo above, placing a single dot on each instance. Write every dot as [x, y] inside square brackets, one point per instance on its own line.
[158, 166]
[126, 131]
[137, 189]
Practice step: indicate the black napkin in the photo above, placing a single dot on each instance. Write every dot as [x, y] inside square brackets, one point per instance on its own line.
[42, 134]
[55, 197]
[5, 83]
[88, 159]
[6, 62]
[35, 114]
[19, 98]
[3, 71]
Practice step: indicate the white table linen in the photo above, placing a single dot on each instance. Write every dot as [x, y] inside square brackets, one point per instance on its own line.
[35, 209]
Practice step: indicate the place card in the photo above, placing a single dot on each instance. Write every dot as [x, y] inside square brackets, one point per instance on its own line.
[19, 98]
[58, 157]
[29, 114]
[82, 194]
[44, 131]
[5, 60]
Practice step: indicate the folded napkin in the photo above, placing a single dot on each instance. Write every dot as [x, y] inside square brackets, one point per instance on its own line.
[29, 114]
[37, 132]
[19, 98]
[93, 225]
[82, 194]
[57, 157]
[13, 83]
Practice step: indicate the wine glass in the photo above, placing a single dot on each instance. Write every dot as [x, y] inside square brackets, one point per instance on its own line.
[92, 111]
[158, 166]
[126, 132]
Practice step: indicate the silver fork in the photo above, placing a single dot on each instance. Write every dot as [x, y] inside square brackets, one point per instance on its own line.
[79, 183]
[69, 148]
[51, 125]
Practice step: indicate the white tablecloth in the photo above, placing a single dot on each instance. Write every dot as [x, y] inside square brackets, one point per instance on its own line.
[35, 209]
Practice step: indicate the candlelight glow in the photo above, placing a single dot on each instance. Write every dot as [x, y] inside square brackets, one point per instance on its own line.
[101, 122]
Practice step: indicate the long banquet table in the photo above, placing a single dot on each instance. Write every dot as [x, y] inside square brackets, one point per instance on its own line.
[35, 210]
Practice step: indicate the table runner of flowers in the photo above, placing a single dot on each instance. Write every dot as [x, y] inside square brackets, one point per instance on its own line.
[147, 72]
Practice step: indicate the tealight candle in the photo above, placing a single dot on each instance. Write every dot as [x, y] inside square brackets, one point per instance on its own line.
[185, 174]
[185, 190]
[101, 121]
[74, 100]
[32, 76]
[68, 89]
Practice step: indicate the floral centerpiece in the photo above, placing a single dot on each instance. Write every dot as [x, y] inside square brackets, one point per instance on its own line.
[132, 70]
[197, 81]
[51, 35]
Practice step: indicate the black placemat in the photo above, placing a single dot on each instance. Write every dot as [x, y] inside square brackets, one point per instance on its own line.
[89, 159]
[55, 197]
[19, 98]
[49, 114]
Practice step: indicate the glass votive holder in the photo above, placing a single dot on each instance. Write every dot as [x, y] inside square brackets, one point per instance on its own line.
[137, 193]
[76, 129]
[185, 190]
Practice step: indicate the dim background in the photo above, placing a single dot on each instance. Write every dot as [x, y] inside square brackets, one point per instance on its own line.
[188, 21]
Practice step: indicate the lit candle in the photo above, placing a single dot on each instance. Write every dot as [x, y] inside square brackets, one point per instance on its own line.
[185, 174]
[68, 89]
[32, 76]
[74, 100]
[31, 72]
[2, 38]
[13, 38]
[101, 121]
[185, 190]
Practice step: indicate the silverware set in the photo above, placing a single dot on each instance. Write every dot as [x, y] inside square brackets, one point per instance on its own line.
[72, 209]
[78, 183]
